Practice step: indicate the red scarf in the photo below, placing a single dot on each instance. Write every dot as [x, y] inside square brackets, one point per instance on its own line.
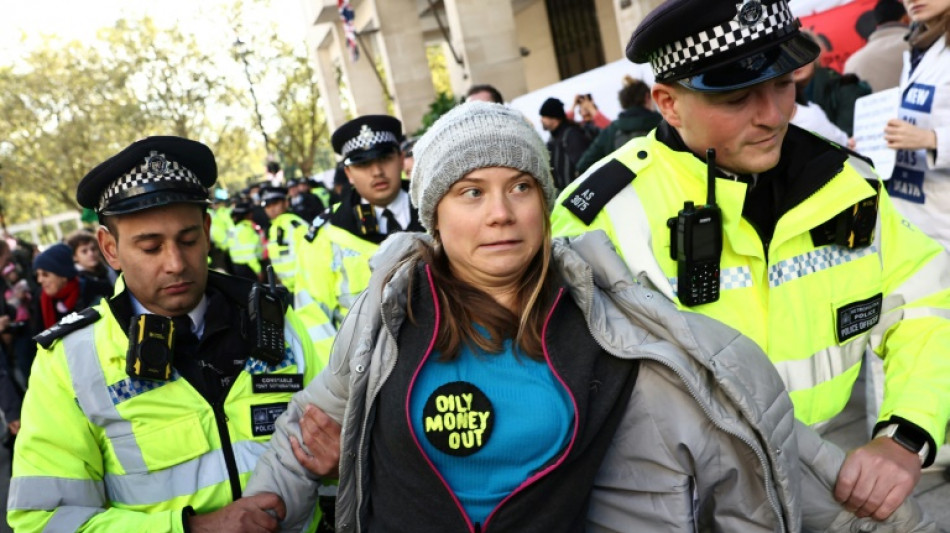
[69, 295]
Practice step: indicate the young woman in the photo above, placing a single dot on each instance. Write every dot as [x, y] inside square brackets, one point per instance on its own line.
[490, 379]
[920, 184]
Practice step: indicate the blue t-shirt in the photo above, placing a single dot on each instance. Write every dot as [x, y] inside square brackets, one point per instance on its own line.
[488, 422]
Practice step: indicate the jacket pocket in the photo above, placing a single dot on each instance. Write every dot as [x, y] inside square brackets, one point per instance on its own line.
[163, 445]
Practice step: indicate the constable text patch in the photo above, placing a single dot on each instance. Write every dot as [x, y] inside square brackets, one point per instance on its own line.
[277, 382]
[264, 416]
[858, 317]
[458, 418]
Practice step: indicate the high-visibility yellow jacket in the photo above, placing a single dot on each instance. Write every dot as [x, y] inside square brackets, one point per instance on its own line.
[244, 245]
[100, 451]
[332, 271]
[282, 235]
[813, 307]
[221, 225]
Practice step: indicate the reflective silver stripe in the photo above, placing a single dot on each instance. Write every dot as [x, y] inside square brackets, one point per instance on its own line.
[182, 479]
[44, 493]
[296, 347]
[69, 519]
[815, 261]
[934, 274]
[923, 312]
[626, 212]
[302, 299]
[320, 332]
[281, 260]
[823, 366]
[338, 254]
[729, 278]
[95, 399]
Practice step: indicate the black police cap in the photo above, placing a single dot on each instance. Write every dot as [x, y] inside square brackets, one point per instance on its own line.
[242, 207]
[366, 138]
[151, 172]
[720, 45]
[273, 194]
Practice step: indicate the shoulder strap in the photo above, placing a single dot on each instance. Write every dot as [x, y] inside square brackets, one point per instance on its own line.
[318, 222]
[597, 189]
[68, 324]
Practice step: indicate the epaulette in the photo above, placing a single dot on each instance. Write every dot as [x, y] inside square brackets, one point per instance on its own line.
[597, 189]
[318, 222]
[68, 324]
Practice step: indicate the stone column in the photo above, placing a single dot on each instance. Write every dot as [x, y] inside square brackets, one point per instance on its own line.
[403, 55]
[360, 77]
[483, 32]
[327, 57]
[629, 15]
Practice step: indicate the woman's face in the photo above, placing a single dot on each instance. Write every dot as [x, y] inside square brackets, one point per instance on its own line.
[51, 283]
[926, 10]
[491, 224]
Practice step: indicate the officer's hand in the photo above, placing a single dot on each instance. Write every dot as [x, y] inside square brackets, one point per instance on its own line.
[321, 435]
[14, 427]
[257, 513]
[902, 135]
[876, 478]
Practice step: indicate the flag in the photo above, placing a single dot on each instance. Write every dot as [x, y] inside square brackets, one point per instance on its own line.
[346, 15]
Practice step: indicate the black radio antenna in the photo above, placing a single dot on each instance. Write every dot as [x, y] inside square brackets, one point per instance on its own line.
[710, 176]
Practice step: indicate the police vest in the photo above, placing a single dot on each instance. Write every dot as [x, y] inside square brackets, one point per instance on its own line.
[113, 453]
[813, 307]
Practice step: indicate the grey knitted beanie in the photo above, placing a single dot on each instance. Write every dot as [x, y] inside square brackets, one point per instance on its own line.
[471, 136]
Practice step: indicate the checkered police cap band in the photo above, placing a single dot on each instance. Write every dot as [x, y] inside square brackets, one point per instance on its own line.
[155, 173]
[752, 22]
[366, 139]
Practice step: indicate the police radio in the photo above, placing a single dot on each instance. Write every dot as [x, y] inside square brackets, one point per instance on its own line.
[266, 312]
[696, 244]
[151, 347]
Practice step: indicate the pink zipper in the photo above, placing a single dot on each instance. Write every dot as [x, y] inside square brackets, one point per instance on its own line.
[412, 383]
[570, 445]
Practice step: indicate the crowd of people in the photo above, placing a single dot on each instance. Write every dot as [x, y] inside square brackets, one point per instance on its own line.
[651, 323]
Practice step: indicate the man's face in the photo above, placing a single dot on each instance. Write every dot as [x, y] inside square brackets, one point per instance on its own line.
[275, 209]
[746, 127]
[163, 255]
[377, 180]
[549, 123]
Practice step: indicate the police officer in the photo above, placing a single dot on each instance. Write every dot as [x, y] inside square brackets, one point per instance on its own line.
[285, 229]
[245, 245]
[304, 203]
[803, 251]
[147, 412]
[221, 225]
[334, 257]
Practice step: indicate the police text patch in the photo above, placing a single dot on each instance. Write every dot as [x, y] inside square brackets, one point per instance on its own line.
[277, 382]
[264, 416]
[458, 419]
[858, 317]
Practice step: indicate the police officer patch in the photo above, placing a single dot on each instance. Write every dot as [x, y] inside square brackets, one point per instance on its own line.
[858, 317]
[264, 416]
[458, 418]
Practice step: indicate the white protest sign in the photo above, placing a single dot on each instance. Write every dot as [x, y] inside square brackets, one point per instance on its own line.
[871, 114]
